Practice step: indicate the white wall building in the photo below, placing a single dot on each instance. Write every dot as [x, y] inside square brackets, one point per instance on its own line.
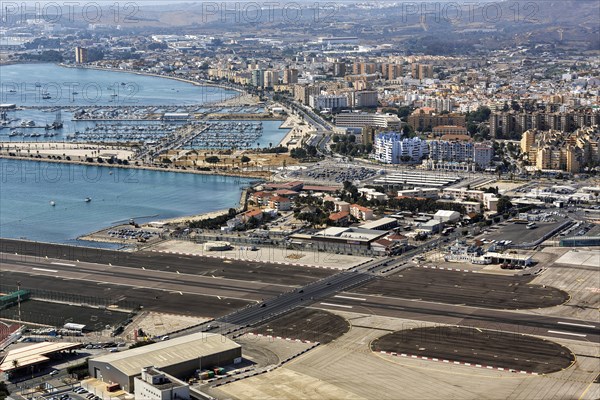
[328, 101]
[359, 120]
[390, 148]
[156, 385]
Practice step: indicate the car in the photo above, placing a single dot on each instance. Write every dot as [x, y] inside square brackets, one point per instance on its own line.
[52, 373]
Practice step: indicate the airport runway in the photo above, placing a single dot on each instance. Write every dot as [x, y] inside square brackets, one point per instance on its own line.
[419, 310]
[199, 293]
[468, 288]
[230, 269]
[140, 278]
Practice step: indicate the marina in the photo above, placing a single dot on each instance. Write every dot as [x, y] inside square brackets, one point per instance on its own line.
[226, 134]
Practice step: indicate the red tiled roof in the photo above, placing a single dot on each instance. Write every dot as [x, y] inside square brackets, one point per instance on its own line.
[361, 208]
[338, 215]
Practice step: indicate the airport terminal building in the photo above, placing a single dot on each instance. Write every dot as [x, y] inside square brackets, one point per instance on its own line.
[179, 357]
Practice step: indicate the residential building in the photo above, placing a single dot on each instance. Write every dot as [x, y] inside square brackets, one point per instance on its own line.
[339, 69]
[442, 130]
[258, 78]
[81, 55]
[425, 119]
[483, 153]
[366, 98]
[280, 203]
[328, 101]
[421, 71]
[302, 93]
[372, 194]
[361, 213]
[423, 193]
[562, 151]
[391, 148]
[290, 76]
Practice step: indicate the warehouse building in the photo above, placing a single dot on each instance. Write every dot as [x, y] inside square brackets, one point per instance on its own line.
[179, 357]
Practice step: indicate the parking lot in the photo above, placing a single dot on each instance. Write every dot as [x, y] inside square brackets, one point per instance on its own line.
[334, 174]
[518, 233]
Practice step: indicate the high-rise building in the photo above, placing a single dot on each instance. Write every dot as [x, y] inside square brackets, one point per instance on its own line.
[81, 55]
[339, 69]
[391, 71]
[421, 71]
[483, 154]
[290, 76]
[258, 78]
[271, 78]
[366, 98]
[302, 93]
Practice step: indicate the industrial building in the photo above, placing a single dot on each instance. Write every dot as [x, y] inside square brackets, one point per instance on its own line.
[29, 357]
[154, 384]
[179, 357]
[418, 179]
[333, 237]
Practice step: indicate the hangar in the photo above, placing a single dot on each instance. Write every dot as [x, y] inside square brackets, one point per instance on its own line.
[179, 357]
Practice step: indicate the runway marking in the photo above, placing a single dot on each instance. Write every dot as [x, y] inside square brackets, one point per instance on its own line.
[44, 270]
[567, 333]
[350, 298]
[335, 305]
[63, 264]
[570, 323]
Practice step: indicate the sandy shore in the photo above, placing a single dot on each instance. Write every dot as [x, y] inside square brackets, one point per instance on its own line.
[238, 174]
[79, 151]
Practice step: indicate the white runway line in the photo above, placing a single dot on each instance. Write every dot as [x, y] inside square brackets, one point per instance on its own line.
[335, 305]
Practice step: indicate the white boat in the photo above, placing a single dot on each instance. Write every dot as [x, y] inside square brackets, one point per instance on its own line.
[88, 199]
[52, 203]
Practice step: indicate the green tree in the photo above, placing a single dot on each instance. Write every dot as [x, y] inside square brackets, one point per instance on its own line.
[212, 160]
[3, 390]
[504, 205]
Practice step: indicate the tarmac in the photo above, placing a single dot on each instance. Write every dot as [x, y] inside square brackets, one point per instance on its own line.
[466, 288]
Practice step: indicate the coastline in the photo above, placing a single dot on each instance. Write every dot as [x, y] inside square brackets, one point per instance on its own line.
[143, 167]
[185, 80]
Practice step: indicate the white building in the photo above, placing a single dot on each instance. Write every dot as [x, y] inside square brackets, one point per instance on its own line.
[328, 101]
[156, 385]
[483, 154]
[390, 148]
[425, 193]
[445, 150]
[446, 216]
[372, 194]
[359, 120]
